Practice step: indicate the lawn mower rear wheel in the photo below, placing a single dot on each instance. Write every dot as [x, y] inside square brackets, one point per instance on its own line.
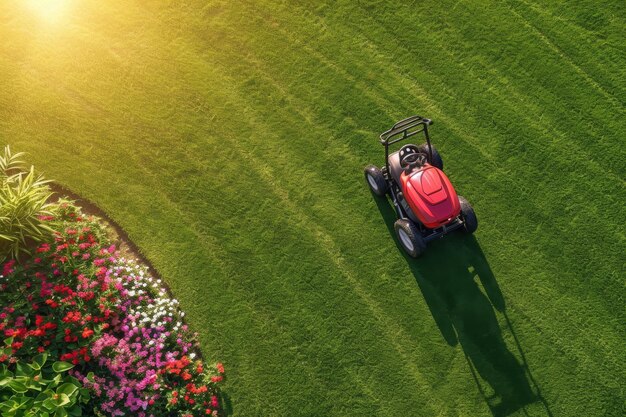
[376, 180]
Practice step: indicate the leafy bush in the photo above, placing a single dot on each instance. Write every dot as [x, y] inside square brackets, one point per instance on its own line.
[40, 388]
[24, 206]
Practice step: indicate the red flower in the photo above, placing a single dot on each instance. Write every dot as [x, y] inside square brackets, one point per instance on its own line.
[72, 317]
[8, 267]
[52, 303]
[87, 333]
[43, 248]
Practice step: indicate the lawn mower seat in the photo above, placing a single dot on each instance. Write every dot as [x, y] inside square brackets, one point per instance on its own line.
[394, 166]
[395, 158]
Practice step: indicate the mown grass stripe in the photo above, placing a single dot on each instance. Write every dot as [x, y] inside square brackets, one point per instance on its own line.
[584, 75]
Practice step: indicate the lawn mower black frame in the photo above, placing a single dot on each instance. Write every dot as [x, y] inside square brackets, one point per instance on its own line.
[403, 130]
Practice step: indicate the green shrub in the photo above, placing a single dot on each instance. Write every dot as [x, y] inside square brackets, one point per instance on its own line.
[40, 389]
[23, 204]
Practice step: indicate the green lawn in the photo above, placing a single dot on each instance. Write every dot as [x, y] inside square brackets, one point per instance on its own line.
[228, 138]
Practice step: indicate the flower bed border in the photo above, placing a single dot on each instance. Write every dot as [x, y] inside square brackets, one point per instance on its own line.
[124, 244]
[122, 241]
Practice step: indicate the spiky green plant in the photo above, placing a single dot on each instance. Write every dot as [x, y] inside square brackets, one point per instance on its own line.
[24, 199]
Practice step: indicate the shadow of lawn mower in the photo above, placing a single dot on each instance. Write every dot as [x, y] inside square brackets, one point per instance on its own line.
[426, 203]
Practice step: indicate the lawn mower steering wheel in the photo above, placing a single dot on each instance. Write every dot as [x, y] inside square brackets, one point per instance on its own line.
[411, 157]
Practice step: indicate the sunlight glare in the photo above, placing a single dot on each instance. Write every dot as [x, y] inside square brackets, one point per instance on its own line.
[49, 10]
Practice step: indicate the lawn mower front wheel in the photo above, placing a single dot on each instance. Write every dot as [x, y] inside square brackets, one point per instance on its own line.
[409, 237]
[376, 180]
[470, 222]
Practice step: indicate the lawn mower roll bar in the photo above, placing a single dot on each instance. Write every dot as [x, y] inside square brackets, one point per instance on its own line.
[405, 129]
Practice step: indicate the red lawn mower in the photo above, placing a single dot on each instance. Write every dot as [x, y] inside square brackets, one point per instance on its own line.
[425, 201]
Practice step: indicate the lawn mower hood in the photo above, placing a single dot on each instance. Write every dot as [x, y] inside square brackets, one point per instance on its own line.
[430, 195]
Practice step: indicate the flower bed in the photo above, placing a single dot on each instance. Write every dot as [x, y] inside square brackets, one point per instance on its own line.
[78, 301]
